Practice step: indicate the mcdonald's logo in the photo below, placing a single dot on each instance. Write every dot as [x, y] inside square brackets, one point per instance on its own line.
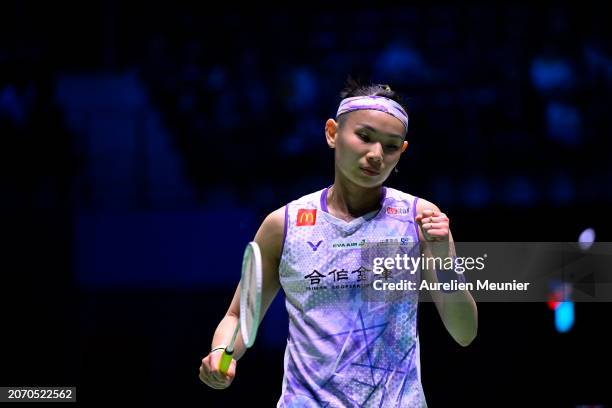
[306, 217]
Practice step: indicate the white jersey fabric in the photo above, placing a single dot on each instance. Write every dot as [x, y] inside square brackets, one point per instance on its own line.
[347, 346]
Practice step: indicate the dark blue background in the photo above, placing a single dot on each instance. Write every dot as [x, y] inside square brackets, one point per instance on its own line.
[143, 146]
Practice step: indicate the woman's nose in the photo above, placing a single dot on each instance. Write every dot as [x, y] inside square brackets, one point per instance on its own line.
[375, 155]
[375, 158]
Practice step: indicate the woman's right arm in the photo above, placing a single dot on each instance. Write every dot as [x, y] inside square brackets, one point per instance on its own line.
[270, 239]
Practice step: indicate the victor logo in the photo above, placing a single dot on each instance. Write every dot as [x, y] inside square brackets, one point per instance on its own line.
[314, 246]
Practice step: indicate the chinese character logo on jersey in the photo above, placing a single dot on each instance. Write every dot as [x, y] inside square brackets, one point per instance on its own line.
[306, 217]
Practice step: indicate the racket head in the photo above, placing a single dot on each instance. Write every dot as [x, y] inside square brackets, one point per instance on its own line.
[250, 293]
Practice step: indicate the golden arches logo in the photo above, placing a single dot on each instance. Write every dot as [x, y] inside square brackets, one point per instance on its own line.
[306, 217]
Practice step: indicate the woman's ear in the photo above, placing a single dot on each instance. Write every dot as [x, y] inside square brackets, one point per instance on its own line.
[404, 146]
[331, 131]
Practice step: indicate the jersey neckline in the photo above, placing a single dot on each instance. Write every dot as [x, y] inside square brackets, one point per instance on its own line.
[356, 221]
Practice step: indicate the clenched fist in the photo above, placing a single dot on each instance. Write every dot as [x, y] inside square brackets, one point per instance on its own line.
[434, 224]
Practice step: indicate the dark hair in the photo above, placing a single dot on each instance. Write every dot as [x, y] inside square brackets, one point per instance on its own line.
[355, 88]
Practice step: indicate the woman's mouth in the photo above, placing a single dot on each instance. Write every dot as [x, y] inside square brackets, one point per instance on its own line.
[370, 172]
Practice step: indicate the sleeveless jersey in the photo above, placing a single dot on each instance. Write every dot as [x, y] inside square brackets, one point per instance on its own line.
[347, 347]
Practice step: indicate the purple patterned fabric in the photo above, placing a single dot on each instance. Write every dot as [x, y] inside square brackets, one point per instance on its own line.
[348, 347]
[379, 103]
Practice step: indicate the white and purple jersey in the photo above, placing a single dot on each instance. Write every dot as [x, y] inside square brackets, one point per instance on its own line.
[346, 349]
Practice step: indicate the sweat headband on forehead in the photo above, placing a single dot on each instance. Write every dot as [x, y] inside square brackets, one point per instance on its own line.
[379, 103]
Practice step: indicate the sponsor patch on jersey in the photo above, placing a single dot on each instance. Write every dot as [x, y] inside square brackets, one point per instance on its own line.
[397, 210]
[306, 217]
[361, 243]
[348, 243]
[314, 246]
[402, 241]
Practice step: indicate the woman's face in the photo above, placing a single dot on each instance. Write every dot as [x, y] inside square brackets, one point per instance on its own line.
[367, 145]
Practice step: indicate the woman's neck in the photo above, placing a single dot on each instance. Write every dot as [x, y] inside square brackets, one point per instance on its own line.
[347, 201]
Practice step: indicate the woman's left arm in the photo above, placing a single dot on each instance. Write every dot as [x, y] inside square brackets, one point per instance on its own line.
[457, 309]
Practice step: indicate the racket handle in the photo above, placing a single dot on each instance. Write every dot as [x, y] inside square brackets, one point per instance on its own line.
[226, 360]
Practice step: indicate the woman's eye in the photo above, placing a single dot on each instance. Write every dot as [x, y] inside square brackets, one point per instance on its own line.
[393, 147]
[364, 137]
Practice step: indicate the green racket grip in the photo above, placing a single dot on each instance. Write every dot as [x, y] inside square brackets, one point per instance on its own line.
[226, 360]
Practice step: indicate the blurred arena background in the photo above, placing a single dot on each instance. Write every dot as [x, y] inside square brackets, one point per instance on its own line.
[142, 145]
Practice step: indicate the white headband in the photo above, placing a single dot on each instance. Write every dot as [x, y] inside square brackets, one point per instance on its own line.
[379, 103]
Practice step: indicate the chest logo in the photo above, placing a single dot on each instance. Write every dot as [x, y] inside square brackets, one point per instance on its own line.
[306, 217]
[397, 210]
[314, 246]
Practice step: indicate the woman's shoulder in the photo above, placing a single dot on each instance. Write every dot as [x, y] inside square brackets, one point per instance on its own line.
[274, 223]
[313, 199]
[398, 195]
[420, 203]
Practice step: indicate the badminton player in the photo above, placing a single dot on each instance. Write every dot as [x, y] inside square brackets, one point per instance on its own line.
[342, 350]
